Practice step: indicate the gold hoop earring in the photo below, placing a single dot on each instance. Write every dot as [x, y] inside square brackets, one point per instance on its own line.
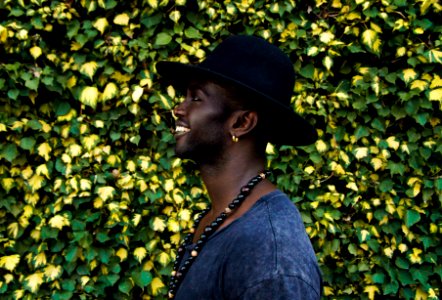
[235, 138]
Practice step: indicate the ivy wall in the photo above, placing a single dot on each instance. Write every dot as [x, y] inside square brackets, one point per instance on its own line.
[92, 199]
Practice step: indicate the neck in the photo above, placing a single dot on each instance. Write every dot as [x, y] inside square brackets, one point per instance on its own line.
[224, 179]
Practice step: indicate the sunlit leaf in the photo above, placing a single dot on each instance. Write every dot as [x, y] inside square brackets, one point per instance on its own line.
[122, 254]
[371, 40]
[59, 221]
[34, 281]
[371, 290]
[409, 75]
[36, 182]
[9, 262]
[140, 253]
[101, 24]
[122, 19]
[436, 95]
[35, 52]
[89, 68]
[158, 224]
[40, 259]
[53, 272]
[89, 96]
[106, 192]
[137, 93]
[110, 91]
[156, 285]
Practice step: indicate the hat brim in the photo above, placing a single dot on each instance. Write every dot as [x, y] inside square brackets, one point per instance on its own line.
[286, 128]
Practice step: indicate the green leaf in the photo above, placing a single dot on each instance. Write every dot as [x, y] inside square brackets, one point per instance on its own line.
[125, 286]
[27, 143]
[192, 33]
[10, 152]
[402, 263]
[163, 39]
[411, 217]
[61, 108]
[141, 278]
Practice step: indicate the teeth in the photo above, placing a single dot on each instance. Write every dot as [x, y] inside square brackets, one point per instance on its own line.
[181, 129]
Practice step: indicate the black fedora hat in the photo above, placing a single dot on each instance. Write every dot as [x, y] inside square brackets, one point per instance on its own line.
[259, 68]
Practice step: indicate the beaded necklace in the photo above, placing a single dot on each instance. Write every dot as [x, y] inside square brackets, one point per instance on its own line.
[178, 272]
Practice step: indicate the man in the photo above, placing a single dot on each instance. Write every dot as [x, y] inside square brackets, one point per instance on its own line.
[251, 243]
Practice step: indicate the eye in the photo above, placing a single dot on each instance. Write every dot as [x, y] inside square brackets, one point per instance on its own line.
[195, 98]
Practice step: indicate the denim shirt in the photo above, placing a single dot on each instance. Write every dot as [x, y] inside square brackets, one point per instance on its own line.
[264, 254]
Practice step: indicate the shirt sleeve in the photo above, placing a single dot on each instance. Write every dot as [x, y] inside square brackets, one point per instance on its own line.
[281, 287]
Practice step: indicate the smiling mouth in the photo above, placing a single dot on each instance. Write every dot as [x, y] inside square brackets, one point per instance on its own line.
[180, 130]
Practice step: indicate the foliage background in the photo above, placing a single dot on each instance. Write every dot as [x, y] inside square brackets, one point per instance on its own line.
[92, 200]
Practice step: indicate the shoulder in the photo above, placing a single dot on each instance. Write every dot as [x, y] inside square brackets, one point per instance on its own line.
[269, 243]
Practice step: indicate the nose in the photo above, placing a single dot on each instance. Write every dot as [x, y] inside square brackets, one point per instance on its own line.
[179, 109]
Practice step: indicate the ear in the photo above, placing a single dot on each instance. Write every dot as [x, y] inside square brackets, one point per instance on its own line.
[242, 122]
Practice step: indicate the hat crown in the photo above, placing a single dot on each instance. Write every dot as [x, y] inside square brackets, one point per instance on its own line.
[256, 64]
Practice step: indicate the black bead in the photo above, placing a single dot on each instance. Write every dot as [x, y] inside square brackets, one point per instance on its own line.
[241, 197]
[231, 206]
[236, 201]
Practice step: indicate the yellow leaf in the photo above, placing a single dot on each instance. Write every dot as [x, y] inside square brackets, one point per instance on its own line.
[106, 192]
[122, 254]
[309, 169]
[435, 56]
[140, 253]
[185, 215]
[326, 37]
[158, 224]
[163, 258]
[43, 150]
[36, 182]
[89, 96]
[40, 259]
[168, 185]
[13, 229]
[173, 225]
[175, 16]
[59, 221]
[377, 163]
[42, 170]
[110, 91]
[34, 281]
[321, 146]
[153, 3]
[392, 143]
[89, 142]
[436, 95]
[409, 74]
[419, 84]
[8, 184]
[122, 19]
[84, 280]
[85, 184]
[352, 186]
[74, 150]
[52, 272]
[35, 52]
[415, 256]
[89, 68]
[371, 290]
[136, 219]
[371, 39]
[420, 294]
[9, 262]
[156, 285]
[361, 152]
[137, 93]
[436, 82]
[101, 24]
